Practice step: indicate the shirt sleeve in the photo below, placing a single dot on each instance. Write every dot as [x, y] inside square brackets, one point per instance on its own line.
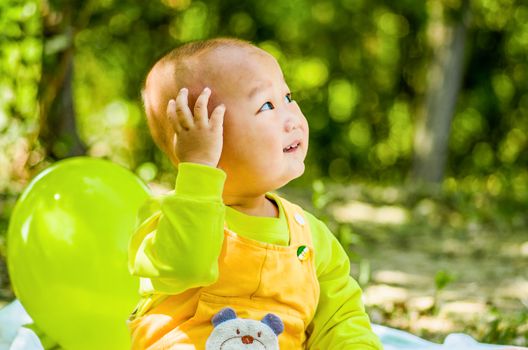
[179, 239]
[340, 321]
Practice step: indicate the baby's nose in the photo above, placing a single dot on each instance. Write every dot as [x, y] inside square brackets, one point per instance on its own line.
[292, 120]
[291, 124]
[247, 339]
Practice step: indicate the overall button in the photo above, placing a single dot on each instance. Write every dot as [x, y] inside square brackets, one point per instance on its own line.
[299, 218]
[303, 252]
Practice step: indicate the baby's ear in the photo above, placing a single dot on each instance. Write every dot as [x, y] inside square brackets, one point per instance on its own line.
[273, 322]
[223, 315]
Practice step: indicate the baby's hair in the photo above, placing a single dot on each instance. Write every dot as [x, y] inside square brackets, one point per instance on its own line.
[175, 70]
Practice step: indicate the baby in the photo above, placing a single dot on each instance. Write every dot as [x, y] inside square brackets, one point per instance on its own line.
[222, 112]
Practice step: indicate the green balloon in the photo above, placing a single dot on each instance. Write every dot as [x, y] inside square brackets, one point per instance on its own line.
[67, 252]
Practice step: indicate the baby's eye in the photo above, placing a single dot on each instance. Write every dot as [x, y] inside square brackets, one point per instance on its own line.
[266, 107]
[288, 98]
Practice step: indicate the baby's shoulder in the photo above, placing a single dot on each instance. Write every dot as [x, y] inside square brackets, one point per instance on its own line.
[321, 234]
[317, 227]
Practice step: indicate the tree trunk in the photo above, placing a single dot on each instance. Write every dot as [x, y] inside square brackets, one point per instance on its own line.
[444, 81]
[58, 132]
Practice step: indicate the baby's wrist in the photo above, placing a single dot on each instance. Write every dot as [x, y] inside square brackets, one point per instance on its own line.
[200, 162]
[199, 181]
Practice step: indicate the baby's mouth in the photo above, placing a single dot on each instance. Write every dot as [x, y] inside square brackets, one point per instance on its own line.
[292, 147]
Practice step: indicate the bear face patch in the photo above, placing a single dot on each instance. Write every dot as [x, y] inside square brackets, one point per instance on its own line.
[233, 333]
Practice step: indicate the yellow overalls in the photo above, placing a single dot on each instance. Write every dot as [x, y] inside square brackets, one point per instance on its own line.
[255, 278]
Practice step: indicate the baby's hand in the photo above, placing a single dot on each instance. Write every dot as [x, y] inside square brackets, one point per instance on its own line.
[199, 138]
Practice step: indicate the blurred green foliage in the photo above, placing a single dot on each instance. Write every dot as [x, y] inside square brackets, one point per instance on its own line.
[20, 54]
[357, 68]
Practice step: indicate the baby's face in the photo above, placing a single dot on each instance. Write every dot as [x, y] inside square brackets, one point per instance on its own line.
[265, 132]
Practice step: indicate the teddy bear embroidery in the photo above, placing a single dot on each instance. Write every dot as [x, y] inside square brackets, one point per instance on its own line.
[233, 333]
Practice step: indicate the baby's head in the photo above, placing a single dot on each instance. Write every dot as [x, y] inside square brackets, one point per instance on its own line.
[265, 132]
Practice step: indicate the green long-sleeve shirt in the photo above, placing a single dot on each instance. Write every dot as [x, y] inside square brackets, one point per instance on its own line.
[181, 252]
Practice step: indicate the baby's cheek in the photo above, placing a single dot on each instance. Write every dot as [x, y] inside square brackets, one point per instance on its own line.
[305, 126]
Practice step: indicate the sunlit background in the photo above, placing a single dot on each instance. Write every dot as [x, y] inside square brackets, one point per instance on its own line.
[418, 114]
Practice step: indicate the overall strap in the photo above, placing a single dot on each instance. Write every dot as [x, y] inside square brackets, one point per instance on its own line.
[298, 224]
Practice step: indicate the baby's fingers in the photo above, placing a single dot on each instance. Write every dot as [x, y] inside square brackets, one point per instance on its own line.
[179, 112]
[217, 117]
[171, 115]
[201, 114]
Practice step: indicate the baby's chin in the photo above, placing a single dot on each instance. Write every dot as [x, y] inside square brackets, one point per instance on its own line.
[299, 173]
[293, 174]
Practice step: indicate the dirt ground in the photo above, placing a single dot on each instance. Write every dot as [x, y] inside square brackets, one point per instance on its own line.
[487, 283]
[433, 276]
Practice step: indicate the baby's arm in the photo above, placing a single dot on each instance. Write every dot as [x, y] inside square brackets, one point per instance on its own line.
[177, 245]
[340, 321]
